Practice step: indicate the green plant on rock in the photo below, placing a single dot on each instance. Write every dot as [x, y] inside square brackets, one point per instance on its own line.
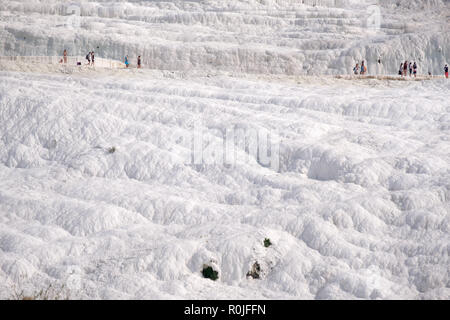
[112, 150]
[210, 273]
[255, 272]
[267, 242]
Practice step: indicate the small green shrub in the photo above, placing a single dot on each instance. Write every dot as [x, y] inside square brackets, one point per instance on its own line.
[210, 273]
[267, 242]
[255, 272]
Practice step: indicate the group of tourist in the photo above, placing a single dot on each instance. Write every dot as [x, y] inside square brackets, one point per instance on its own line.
[405, 68]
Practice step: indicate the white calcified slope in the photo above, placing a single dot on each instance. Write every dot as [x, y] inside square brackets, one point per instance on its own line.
[271, 36]
[359, 208]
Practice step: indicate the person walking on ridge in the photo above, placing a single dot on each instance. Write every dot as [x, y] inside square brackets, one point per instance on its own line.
[356, 69]
[363, 68]
[88, 58]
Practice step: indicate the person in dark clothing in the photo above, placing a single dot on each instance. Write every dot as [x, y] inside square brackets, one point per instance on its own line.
[446, 71]
[139, 62]
[415, 69]
[88, 58]
[405, 68]
[410, 69]
[92, 57]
